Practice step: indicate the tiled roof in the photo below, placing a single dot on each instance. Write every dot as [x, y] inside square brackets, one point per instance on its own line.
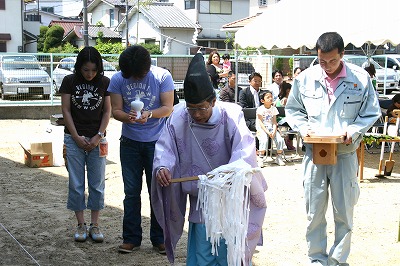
[67, 25]
[93, 30]
[107, 33]
[119, 3]
[235, 25]
[166, 15]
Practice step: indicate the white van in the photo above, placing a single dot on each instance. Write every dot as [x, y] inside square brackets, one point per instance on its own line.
[393, 61]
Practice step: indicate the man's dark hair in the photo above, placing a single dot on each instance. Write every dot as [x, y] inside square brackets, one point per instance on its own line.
[254, 74]
[89, 54]
[329, 41]
[135, 62]
[230, 73]
[276, 71]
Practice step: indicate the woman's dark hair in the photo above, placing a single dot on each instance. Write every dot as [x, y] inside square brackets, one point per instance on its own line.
[295, 69]
[209, 60]
[371, 70]
[89, 54]
[135, 61]
[282, 89]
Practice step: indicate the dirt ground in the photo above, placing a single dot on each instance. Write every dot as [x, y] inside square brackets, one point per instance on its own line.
[37, 229]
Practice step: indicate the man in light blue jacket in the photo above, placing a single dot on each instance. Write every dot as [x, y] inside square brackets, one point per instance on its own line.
[333, 98]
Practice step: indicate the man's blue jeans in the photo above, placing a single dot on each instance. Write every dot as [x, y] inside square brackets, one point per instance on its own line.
[135, 157]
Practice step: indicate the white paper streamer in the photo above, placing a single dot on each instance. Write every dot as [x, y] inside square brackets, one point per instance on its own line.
[224, 199]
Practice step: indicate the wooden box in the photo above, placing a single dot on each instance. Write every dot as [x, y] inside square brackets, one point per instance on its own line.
[324, 148]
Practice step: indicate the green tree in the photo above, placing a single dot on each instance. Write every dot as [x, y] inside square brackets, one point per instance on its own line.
[109, 48]
[291, 66]
[41, 38]
[152, 48]
[54, 37]
[278, 63]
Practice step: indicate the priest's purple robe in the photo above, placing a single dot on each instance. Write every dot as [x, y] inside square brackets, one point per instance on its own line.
[190, 149]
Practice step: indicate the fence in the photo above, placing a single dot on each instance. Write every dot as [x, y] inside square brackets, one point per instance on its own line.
[34, 79]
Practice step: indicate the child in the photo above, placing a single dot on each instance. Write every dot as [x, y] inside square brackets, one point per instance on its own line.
[226, 66]
[266, 126]
[86, 108]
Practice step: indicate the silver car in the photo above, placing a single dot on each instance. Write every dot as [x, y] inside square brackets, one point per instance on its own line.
[23, 75]
[67, 65]
[381, 73]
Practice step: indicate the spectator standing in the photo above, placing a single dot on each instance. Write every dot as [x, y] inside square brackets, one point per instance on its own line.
[284, 90]
[277, 78]
[201, 135]
[319, 105]
[155, 88]
[297, 71]
[86, 109]
[215, 71]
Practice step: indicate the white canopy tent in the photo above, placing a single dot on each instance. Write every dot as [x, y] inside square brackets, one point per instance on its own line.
[297, 23]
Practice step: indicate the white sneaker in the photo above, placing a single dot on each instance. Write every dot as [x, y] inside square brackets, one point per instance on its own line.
[279, 160]
[267, 159]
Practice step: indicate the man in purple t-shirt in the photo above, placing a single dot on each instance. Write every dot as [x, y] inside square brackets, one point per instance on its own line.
[155, 88]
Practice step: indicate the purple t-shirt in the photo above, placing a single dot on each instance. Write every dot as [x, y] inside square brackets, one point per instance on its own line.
[157, 81]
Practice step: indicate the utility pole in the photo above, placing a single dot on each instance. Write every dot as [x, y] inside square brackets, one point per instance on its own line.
[126, 22]
[137, 22]
[85, 24]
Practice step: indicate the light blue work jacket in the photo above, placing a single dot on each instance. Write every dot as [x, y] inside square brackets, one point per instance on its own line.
[353, 109]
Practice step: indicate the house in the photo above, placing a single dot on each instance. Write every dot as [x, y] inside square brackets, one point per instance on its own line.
[163, 24]
[108, 12]
[211, 15]
[157, 23]
[11, 33]
[64, 8]
[73, 32]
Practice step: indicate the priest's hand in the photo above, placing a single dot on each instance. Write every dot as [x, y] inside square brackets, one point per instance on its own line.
[163, 177]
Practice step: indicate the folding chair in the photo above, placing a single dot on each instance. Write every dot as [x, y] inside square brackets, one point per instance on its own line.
[286, 130]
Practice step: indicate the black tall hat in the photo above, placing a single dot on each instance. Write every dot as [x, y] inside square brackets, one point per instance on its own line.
[197, 86]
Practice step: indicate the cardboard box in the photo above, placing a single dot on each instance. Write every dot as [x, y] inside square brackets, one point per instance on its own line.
[38, 154]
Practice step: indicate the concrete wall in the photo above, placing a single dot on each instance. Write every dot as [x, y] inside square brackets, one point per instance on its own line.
[28, 112]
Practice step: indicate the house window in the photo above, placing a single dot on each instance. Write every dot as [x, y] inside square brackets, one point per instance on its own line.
[3, 45]
[216, 7]
[262, 2]
[112, 22]
[189, 4]
[2, 4]
[48, 9]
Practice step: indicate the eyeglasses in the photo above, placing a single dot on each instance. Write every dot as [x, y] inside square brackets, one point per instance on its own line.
[200, 109]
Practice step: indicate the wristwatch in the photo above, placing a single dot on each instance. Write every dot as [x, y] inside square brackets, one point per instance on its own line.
[100, 134]
[150, 115]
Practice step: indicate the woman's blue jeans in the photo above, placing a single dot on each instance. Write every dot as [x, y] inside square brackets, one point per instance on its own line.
[135, 157]
[80, 162]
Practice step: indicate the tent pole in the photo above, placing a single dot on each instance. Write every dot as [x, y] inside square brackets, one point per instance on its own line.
[236, 72]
